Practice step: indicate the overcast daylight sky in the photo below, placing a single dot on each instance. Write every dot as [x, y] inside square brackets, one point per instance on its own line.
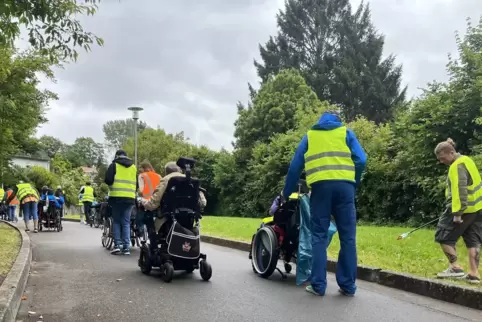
[188, 62]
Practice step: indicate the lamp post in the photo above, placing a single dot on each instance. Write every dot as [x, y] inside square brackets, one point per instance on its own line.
[135, 116]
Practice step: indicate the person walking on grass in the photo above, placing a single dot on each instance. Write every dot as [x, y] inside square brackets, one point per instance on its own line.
[333, 160]
[463, 213]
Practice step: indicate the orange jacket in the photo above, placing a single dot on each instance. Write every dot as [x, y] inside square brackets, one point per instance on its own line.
[151, 181]
[14, 201]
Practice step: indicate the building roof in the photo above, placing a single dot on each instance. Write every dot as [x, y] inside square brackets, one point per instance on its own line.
[39, 156]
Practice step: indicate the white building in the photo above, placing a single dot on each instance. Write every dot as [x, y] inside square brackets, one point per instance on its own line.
[25, 161]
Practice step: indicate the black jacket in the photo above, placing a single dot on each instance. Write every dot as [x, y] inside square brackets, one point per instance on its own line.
[110, 175]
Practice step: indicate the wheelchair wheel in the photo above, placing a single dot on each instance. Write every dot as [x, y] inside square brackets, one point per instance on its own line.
[167, 272]
[145, 260]
[205, 270]
[265, 252]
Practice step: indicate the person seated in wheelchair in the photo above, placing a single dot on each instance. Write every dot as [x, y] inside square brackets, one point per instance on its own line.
[52, 200]
[172, 171]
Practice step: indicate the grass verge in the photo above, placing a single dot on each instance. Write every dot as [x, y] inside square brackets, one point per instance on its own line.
[10, 241]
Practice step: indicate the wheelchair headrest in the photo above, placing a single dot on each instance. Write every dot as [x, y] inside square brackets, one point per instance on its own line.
[184, 162]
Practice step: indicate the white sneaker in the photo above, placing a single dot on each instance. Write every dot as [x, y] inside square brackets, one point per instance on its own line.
[451, 273]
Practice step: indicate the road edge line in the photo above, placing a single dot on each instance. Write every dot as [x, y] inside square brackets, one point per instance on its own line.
[13, 286]
[465, 296]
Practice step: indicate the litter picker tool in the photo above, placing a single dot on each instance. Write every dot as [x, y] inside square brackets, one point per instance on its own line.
[405, 235]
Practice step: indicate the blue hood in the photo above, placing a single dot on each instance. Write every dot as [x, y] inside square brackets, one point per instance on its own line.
[327, 122]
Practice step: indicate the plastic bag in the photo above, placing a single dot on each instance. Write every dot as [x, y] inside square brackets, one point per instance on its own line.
[304, 258]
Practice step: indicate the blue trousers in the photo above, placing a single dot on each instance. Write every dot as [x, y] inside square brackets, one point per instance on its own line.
[121, 215]
[11, 212]
[335, 198]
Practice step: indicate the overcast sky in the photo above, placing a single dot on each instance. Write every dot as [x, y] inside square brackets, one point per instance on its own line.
[188, 62]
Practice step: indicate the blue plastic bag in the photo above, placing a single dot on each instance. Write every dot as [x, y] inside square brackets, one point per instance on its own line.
[304, 259]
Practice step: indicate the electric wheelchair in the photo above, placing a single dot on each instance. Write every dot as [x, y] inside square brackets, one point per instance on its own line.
[176, 246]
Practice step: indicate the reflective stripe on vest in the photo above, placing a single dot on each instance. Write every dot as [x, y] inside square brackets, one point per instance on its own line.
[328, 156]
[474, 191]
[124, 185]
[26, 189]
[88, 194]
[14, 200]
[151, 181]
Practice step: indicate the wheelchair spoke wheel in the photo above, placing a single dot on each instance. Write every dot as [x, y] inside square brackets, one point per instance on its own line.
[265, 252]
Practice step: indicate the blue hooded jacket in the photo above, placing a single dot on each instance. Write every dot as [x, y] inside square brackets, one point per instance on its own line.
[51, 198]
[325, 123]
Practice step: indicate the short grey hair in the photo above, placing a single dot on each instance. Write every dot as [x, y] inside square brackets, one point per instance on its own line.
[171, 167]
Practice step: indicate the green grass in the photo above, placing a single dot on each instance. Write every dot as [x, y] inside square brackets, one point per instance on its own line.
[10, 242]
[377, 246]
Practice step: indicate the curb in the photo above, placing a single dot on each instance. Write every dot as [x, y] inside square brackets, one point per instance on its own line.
[14, 284]
[460, 295]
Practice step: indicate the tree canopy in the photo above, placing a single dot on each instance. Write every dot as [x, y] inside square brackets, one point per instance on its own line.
[339, 53]
[53, 27]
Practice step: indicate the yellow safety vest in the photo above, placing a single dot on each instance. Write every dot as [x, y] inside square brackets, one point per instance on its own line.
[25, 189]
[124, 185]
[474, 196]
[2, 194]
[88, 194]
[328, 156]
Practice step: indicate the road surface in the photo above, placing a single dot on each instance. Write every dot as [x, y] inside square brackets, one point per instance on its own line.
[74, 279]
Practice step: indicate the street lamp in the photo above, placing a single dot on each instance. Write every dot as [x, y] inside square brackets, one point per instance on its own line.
[135, 116]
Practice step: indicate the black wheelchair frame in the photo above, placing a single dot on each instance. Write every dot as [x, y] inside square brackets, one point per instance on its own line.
[180, 206]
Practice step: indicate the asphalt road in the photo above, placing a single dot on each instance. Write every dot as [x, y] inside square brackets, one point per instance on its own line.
[74, 279]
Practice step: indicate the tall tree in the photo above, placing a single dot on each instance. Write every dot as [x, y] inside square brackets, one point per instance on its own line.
[22, 104]
[119, 131]
[339, 53]
[84, 152]
[274, 108]
[51, 145]
[52, 25]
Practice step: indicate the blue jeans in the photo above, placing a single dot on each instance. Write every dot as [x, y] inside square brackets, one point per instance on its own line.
[121, 214]
[337, 198]
[30, 210]
[11, 212]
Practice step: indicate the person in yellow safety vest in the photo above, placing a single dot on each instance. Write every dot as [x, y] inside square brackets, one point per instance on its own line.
[463, 214]
[88, 197]
[333, 160]
[121, 177]
[148, 181]
[28, 197]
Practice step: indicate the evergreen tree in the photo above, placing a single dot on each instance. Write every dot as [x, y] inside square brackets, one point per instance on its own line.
[339, 53]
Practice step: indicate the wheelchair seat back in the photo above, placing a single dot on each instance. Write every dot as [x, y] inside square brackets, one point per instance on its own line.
[181, 200]
[288, 213]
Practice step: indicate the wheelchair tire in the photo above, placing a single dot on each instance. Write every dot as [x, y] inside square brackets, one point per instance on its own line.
[145, 260]
[167, 272]
[205, 270]
[270, 252]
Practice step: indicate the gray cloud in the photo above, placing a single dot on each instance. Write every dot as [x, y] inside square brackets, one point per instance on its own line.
[188, 63]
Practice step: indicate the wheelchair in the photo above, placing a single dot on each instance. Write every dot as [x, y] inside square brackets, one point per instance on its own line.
[278, 237]
[49, 217]
[4, 212]
[176, 246]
